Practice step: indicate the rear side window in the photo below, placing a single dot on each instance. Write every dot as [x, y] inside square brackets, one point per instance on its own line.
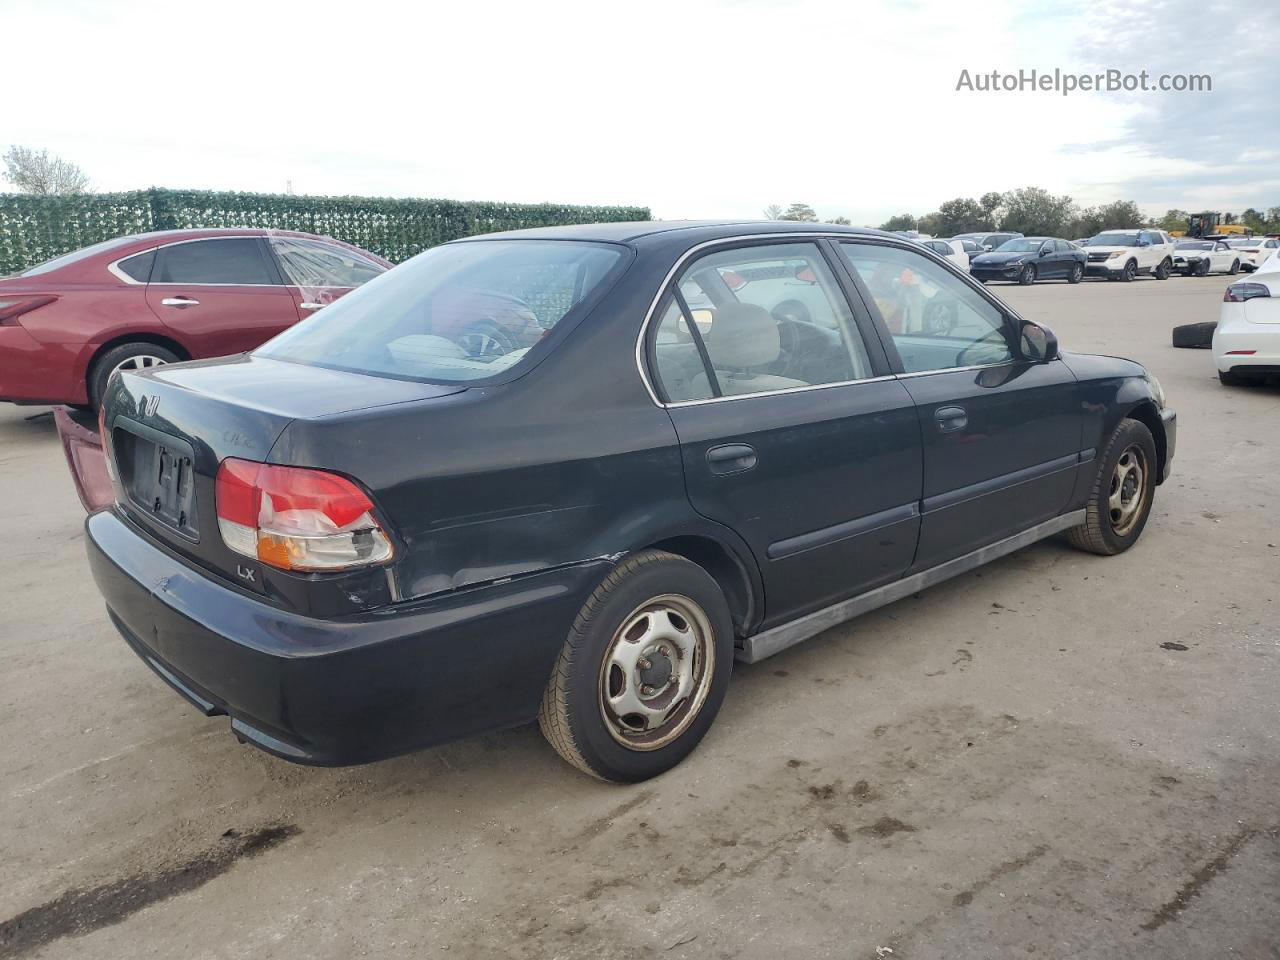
[236, 260]
[459, 312]
[767, 318]
[310, 264]
[138, 267]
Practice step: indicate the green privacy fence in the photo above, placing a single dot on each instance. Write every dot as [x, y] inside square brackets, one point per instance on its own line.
[33, 229]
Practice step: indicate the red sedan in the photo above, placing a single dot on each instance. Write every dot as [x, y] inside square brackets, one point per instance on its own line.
[67, 324]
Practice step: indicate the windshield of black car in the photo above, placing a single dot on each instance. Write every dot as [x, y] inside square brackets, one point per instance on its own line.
[1194, 245]
[459, 312]
[1020, 245]
[1114, 240]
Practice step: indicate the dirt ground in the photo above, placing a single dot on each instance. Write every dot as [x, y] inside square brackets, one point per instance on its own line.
[1059, 755]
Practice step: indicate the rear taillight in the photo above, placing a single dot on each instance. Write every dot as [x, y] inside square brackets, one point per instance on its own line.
[1240, 292]
[13, 307]
[297, 519]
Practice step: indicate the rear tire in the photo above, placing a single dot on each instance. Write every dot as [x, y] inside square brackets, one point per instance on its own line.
[1164, 269]
[1194, 334]
[139, 355]
[1076, 274]
[657, 623]
[1120, 501]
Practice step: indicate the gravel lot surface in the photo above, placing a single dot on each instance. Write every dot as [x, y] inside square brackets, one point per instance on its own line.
[1059, 755]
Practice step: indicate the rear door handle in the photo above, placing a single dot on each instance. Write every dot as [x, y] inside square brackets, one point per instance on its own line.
[731, 458]
[951, 419]
[179, 302]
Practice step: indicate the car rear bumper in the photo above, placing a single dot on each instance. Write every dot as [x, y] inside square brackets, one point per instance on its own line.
[335, 692]
[34, 372]
[1243, 347]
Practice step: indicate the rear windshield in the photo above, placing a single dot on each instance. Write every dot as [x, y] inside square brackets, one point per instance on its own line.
[81, 254]
[462, 311]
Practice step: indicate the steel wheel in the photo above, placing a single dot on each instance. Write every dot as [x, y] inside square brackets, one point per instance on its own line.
[656, 672]
[1128, 494]
[139, 361]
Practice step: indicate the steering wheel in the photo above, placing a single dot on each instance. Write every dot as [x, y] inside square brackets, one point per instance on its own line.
[940, 318]
[485, 340]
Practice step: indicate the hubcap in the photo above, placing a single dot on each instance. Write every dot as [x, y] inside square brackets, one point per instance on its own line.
[143, 361]
[1128, 495]
[656, 672]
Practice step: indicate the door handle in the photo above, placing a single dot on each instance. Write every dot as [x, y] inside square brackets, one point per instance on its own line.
[951, 419]
[731, 458]
[179, 302]
[310, 306]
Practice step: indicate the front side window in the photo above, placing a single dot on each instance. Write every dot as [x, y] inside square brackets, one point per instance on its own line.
[235, 261]
[937, 320]
[458, 312]
[310, 264]
[769, 318]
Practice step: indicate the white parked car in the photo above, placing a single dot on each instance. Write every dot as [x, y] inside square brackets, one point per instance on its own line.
[1254, 251]
[1198, 258]
[952, 250]
[1124, 254]
[1246, 342]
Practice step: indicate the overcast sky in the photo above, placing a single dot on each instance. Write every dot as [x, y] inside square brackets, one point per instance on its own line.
[695, 108]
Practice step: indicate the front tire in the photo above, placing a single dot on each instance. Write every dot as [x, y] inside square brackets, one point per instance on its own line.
[1129, 272]
[1235, 267]
[1076, 274]
[138, 355]
[643, 671]
[1123, 491]
[1027, 275]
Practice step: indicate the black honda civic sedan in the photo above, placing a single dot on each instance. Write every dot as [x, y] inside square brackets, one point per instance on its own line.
[573, 473]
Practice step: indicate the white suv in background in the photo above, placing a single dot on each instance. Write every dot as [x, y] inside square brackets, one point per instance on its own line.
[1123, 254]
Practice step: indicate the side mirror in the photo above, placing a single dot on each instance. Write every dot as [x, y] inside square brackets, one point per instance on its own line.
[1045, 251]
[1039, 345]
[1144, 243]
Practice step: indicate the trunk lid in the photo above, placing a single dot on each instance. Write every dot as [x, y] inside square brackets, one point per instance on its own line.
[168, 429]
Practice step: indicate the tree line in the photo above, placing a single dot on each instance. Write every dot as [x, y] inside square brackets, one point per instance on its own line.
[1033, 211]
